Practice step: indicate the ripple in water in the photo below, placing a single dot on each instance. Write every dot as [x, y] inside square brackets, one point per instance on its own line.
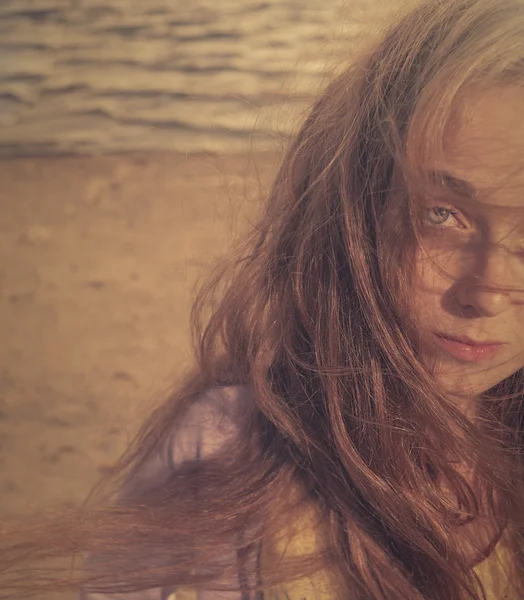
[120, 75]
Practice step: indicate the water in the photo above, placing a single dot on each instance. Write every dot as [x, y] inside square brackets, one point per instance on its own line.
[95, 76]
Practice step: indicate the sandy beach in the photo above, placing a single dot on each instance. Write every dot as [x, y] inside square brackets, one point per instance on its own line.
[98, 260]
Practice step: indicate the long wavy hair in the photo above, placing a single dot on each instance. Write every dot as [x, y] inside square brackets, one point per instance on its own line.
[311, 316]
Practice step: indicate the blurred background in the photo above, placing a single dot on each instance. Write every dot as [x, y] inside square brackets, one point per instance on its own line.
[98, 76]
[136, 138]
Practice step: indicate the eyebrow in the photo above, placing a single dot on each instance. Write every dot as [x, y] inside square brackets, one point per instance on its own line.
[457, 184]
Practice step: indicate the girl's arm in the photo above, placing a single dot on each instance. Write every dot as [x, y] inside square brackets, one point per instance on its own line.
[210, 423]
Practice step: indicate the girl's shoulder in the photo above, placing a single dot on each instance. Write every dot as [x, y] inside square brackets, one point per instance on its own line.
[211, 422]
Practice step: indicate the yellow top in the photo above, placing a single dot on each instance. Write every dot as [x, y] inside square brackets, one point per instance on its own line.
[492, 569]
[318, 586]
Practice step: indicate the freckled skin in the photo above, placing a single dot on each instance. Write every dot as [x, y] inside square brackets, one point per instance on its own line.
[470, 270]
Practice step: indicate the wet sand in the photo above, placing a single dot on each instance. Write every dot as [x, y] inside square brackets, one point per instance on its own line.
[98, 259]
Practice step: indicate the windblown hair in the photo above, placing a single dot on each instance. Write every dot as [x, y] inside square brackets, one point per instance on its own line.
[311, 315]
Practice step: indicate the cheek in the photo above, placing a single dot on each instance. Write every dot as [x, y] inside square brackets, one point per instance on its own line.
[436, 270]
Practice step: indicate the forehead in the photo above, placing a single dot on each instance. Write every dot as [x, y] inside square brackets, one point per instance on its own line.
[484, 147]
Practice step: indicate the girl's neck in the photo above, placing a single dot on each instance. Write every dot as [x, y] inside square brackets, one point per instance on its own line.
[468, 406]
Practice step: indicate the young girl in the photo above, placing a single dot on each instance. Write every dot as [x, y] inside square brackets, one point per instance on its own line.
[354, 426]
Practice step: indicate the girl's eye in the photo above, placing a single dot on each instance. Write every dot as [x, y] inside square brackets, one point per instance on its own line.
[440, 216]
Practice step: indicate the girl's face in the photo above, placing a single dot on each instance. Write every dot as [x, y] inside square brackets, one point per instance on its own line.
[470, 268]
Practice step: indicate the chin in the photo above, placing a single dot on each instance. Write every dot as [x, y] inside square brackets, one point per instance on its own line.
[463, 383]
[459, 379]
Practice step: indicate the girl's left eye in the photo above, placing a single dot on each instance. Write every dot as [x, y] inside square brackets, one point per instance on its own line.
[441, 216]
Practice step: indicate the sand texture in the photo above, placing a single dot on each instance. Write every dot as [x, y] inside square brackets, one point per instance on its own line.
[98, 260]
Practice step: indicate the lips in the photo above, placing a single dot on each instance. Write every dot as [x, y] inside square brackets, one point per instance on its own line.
[467, 350]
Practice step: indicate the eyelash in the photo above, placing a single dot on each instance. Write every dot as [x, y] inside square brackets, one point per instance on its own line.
[450, 212]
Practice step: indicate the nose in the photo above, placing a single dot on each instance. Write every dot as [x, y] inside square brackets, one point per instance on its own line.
[487, 292]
